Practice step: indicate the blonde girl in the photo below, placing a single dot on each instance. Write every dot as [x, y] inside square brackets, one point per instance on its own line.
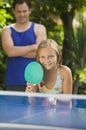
[57, 77]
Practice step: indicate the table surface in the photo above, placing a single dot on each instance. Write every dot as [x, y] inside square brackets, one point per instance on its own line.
[26, 111]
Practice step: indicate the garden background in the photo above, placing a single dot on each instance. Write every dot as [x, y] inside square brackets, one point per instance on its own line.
[65, 21]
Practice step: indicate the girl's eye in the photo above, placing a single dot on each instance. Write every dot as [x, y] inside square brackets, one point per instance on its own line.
[42, 57]
[51, 56]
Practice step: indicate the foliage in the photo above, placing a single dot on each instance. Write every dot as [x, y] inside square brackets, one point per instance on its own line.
[57, 35]
[80, 46]
[2, 68]
[80, 54]
[5, 17]
[83, 75]
[82, 88]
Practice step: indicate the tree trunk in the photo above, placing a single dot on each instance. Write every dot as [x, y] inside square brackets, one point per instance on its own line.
[69, 39]
[76, 85]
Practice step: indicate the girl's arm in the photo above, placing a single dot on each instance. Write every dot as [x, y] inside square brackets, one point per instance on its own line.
[67, 80]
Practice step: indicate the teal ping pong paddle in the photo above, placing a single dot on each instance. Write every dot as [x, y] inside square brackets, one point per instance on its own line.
[34, 73]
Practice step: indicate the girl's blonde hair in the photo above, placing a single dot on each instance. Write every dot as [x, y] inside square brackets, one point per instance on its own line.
[53, 45]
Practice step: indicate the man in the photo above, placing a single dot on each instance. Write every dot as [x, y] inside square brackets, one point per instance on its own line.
[20, 41]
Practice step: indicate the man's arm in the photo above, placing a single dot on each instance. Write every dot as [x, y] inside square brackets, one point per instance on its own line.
[10, 49]
[41, 35]
[40, 32]
[13, 51]
[30, 54]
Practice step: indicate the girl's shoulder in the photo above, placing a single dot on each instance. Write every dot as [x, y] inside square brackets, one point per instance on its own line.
[65, 70]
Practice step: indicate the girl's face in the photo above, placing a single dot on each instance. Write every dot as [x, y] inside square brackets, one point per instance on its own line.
[22, 13]
[48, 58]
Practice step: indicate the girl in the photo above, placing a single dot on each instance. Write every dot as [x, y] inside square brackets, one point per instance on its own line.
[57, 77]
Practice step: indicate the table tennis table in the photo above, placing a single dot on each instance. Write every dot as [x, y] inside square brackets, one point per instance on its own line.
[36, 111]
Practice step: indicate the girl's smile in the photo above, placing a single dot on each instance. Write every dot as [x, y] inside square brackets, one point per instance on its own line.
[48, 58]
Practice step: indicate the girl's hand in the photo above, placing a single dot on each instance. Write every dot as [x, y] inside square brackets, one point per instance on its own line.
[30, 87]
